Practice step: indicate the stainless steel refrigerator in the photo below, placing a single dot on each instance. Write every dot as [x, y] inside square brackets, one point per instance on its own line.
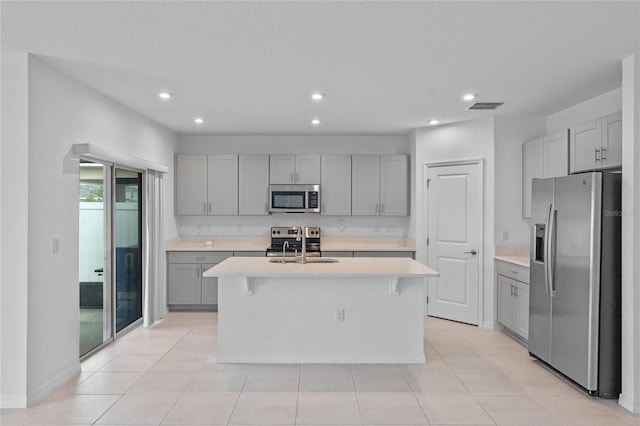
[574, 305]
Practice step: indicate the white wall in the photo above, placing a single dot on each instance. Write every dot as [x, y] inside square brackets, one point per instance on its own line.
[293, 144]
[630, 395]
[602, 105]
[509, 135]
[472, 139]
[14, 181]
[62, 112]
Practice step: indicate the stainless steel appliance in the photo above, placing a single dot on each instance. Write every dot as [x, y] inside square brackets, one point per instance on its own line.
[286, 240]
[294, 198]
[574, 307]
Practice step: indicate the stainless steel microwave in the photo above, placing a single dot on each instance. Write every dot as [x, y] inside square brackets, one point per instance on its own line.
[294, 198]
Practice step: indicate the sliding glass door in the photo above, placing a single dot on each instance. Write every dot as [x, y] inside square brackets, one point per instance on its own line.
[110, 253]
[127, 225]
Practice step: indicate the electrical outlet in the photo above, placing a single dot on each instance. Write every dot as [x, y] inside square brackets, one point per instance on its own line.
[56, 246]
[504, 236]
[340, 315]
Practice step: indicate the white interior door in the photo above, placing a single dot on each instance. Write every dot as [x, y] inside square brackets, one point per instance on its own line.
[454, 219]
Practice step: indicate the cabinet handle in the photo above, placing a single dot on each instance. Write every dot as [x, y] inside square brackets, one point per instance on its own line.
[603, 151]
[209, 208]
[381, 208]
[322, 206]
[291, 179]
[265, 207]
[198, 272]
[297, 177]
[204, 208]
[514, 272]
[515, 291]
[597, 152]
[377, 208]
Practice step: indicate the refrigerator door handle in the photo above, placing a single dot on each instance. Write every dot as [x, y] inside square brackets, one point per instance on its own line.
[551, 288]
[546, 250]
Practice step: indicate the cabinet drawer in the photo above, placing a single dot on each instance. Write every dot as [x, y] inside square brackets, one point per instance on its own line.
[383, 254]
[198, 257]
[517, 272]
[250, 253]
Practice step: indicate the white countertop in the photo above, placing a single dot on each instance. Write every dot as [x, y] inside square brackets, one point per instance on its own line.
[218, 244]
[346, 267]
[262, 243]
[516, 260]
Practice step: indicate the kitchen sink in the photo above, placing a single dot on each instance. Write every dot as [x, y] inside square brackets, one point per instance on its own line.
[309, 260]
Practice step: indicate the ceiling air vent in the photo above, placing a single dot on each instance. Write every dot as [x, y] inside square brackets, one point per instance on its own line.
[485, 105]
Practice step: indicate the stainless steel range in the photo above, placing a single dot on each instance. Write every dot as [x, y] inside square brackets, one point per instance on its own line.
[289, 240]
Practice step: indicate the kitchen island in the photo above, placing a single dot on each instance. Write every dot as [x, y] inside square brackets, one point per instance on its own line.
[356, 310]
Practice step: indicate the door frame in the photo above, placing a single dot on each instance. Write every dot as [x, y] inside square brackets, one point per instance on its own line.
[480, 162]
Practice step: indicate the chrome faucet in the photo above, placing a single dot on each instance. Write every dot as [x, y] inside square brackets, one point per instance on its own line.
[284, 247]
[302, 236]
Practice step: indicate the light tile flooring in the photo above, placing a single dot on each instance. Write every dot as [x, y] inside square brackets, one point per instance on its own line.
[168, 375]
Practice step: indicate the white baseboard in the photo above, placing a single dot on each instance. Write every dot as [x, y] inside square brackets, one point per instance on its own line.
[322, 359]
[52, 384]
[629, 404]
[13, 401]
[490, 325]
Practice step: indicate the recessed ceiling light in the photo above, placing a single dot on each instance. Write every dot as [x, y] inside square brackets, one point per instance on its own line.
[198, 120]
[469, 96]
[434, 122]
[317, 96]
[315, 122]
[165, 95]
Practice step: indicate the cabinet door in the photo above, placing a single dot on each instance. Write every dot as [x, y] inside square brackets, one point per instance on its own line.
[209, 287]
[584, 146]
[394, 185]
[612, 140]
[556, 154]
[253, 180]
[223, 185]
[191, 184]
[307, 169]
[365, 185]
[184, 284]
[335, 185]
[282, 169]
[522, 310]
[506, 302]
[532, 167]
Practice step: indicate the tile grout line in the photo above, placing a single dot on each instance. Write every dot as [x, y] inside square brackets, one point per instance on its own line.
[355, 391]
[244, 383]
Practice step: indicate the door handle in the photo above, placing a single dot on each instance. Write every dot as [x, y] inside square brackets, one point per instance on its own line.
[473, 252]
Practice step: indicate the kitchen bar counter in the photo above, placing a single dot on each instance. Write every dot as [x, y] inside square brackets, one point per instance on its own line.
[359, 310]
[346, 267]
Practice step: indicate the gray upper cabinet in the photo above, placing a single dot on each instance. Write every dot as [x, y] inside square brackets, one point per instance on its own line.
[596, 144]
[394, 185]
[365, 185]
[206, 184]
[380, 185]
[294, 169]
[253, 184]
[543, 158]
[222, 185]
[191, 185]
[335, 185]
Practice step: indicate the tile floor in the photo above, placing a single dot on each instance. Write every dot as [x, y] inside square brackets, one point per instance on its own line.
[168, 375]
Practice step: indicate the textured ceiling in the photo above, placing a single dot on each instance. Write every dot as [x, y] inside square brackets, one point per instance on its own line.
[386, 67]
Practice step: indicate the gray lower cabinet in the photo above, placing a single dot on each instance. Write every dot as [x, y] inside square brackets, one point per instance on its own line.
[513, 298]
[383, 254]
[337, 254]
[186, 285]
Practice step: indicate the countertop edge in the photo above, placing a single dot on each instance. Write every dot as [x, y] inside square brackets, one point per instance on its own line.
[516, 260]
